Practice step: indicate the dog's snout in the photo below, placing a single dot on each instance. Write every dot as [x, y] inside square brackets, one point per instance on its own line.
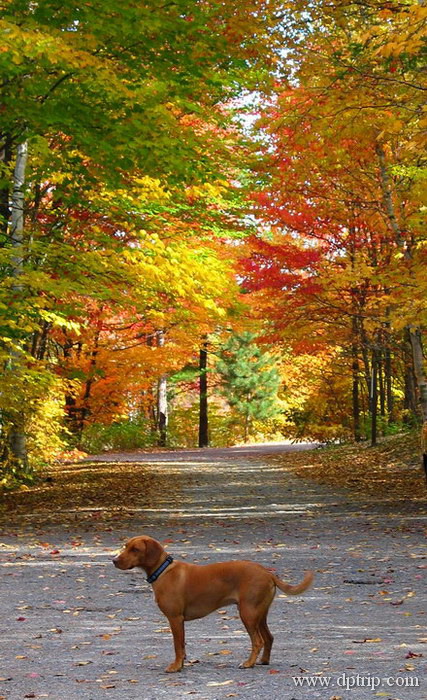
[115, 561]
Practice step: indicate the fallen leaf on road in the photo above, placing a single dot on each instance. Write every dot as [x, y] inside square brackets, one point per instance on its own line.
[365, 641]
[212, 683]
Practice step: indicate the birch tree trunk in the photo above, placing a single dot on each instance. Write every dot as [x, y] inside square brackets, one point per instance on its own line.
[17, 438]
[6, 156]
[17, 212]
[162, 399]
[203, 396]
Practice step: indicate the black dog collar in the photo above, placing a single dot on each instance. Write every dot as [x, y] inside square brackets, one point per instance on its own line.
[155, 575]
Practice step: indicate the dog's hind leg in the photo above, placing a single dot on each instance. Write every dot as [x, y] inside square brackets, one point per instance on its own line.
[268, 640]
[251, 618]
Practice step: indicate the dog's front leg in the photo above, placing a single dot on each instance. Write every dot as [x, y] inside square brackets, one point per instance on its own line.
[177, 628]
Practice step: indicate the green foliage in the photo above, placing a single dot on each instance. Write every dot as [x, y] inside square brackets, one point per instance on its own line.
[386, 428]
[116, 80]
[250, 379]
[120, 435]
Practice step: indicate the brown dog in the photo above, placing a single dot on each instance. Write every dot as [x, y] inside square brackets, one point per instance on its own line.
[188, 591]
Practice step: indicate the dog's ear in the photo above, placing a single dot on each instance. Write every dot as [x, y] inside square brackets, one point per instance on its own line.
[153, 552]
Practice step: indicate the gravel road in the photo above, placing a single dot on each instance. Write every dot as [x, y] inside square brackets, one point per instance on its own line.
[75, 628]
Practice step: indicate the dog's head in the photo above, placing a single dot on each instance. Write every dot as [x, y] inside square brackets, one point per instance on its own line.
[140, 551]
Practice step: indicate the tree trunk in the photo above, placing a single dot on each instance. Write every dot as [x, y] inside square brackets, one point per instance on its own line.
[388, 384]
[72, 413]
[203, 396]
[162, 399]
[85, 410]
[149, 397]
[387, 196]
[17, 438]
[410, 397]
[364, 347]
[418, 361]
[39, 341]
[17, 213]
[374, 397]
[6, 155]
[355, 388]
[246, 428]
[355, 368]
[162, 410]
[381, 386]
[356, 402]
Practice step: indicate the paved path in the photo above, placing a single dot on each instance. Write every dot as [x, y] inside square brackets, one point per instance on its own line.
[75, 628]
[208, 454]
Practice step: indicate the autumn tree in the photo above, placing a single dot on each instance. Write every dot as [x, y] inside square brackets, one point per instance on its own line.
[337, 262]
[122, 114]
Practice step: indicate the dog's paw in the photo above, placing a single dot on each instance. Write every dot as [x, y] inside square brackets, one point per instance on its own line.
[174, 667]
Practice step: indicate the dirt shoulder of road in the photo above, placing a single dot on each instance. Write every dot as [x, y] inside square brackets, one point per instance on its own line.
[391, 469]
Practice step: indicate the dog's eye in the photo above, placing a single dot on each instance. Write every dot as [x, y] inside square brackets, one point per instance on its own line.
[134, 550]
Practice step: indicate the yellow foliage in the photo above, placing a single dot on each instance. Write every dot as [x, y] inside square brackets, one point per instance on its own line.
[207, 190]
[45, 427]
[312, 396]
[34, 399]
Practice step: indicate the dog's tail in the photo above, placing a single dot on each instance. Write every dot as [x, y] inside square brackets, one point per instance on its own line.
[299, 588]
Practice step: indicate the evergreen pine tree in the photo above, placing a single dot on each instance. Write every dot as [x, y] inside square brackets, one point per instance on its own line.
[250, 380]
